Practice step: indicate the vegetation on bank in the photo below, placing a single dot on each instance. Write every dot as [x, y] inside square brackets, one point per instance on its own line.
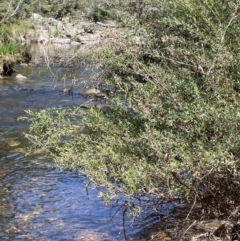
[171, 130]
[11, 51]
[22, 9]
[14, 23]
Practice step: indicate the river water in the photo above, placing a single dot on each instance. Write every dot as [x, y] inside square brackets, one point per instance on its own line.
[38, 201]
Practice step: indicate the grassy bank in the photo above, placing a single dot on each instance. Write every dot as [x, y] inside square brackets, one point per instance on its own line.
[11, 51]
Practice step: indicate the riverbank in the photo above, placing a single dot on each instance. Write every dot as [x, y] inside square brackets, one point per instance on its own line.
[80, 33]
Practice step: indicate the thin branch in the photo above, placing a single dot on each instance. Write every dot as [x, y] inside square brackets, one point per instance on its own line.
[9, 15]
[6, 18]
[233, 17]
[106, 25]
[187, 230]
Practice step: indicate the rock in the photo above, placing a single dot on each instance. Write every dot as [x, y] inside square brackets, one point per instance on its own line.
[24, 64]
[19, 76]
[75, 43]
[100, 106]
[21, 39]
[49, 30]
[53, 22]
[92, 92]
[89, 39]
[86, 106]
[60, 40]
[13, 143]
[66, 90]
[88, 29]
[37, 17]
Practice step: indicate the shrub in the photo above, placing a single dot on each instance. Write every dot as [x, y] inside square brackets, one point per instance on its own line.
[9, 54]
[102, 11]
[172, 126]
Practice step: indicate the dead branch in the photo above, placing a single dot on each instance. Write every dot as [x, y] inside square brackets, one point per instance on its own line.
[106, 25]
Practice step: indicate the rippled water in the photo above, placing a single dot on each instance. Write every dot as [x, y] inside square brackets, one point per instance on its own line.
[37, 200]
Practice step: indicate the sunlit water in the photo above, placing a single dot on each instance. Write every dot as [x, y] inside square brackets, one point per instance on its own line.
[37, 200]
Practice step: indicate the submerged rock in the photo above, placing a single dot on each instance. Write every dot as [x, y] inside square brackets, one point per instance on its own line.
[92, 92]
[13, 143]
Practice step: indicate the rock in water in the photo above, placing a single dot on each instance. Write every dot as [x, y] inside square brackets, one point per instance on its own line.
[92, 92]
[19, 76]
[66, 90]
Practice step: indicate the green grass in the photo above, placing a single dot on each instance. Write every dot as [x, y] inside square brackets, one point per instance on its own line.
[10, 49]
[4, 32]
[14, 30]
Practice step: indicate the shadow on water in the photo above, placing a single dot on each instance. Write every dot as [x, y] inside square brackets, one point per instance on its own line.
[37, 200]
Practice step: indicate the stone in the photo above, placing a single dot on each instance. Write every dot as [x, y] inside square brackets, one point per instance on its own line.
[19, 76]
[89, 39]
[37, 17]
[92, 92]
[75, 43]
[24, 64]
[66, 90]
[61, 41]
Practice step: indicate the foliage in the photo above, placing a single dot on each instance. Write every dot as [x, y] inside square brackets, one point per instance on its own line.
[59, 9]
[21, 9]
[172, 126]
[10, 53]
[10, 32]
[102, 10]
[15, 9]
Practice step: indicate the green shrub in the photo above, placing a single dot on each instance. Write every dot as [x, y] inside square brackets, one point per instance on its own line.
[172, 126]
[102, 11]
[59, 9]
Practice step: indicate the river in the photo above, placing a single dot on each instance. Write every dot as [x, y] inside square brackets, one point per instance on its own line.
[38, 201]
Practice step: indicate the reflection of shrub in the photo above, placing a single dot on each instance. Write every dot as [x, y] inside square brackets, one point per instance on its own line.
[172, 128]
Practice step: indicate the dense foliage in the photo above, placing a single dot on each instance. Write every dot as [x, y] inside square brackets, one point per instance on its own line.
[10, 10]
[172, 126]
